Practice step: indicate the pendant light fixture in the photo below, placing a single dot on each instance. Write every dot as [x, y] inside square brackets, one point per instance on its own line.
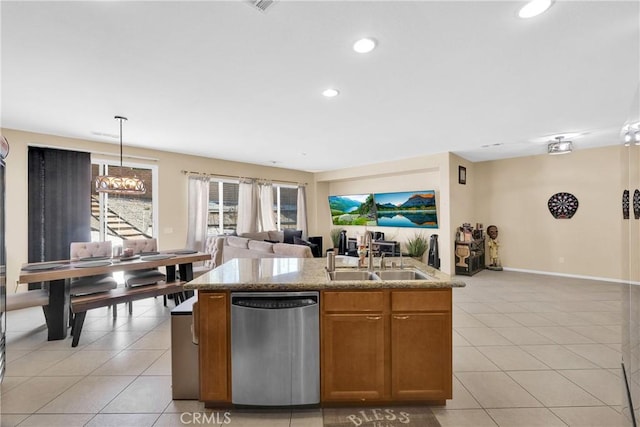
[120, 184]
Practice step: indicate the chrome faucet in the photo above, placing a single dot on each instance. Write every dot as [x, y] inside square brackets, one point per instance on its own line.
[368, 239]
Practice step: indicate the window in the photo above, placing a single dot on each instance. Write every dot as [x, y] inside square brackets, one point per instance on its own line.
[285, 199]
[117, 217]
[223, 206]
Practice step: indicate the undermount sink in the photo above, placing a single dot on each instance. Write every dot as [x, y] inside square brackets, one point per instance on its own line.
[352, 275]
[402, 275]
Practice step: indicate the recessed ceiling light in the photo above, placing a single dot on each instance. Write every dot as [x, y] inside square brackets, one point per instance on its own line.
[365, 45]
[330, 93]
[534, 8]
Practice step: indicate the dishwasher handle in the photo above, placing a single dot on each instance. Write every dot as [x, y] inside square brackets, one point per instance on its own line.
[274, 303]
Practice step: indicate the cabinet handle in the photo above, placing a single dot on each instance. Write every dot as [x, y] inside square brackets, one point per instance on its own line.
[374, 317]
[195, 324]
[401, 317]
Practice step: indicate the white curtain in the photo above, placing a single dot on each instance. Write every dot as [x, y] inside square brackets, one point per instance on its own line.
[267, 221]
[301, 218]
[198, 209]
[247, 208]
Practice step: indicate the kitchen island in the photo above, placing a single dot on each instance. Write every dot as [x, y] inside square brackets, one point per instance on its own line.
[380, 341]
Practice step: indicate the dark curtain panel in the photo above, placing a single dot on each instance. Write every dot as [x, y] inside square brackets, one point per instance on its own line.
[59, 202]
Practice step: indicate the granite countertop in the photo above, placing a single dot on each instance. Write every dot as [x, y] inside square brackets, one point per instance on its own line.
[277, 274]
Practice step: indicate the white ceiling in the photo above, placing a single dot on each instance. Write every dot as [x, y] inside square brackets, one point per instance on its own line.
[225, 80]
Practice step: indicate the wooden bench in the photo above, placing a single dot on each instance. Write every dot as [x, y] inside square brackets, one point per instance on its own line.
[34, 298]
[80, 304]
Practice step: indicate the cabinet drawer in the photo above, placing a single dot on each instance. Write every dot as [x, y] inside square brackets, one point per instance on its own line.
[426, 300]
[353, 301]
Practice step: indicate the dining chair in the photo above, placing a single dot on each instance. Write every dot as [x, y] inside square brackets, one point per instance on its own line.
[212, 246]
[91, 284]
[143, 277]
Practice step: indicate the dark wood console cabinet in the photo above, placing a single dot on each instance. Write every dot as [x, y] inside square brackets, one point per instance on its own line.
[469, 257]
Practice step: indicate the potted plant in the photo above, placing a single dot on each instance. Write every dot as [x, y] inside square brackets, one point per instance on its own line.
[335, 238]
[417, 245]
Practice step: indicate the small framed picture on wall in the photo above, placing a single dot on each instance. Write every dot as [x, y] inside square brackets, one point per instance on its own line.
[462, 175]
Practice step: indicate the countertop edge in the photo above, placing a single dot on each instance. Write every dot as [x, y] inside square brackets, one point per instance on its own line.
[308, 274]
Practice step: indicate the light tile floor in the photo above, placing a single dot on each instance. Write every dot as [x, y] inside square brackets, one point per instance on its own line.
[529, 350]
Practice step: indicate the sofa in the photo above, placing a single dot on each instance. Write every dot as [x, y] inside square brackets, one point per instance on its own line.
[230, 247]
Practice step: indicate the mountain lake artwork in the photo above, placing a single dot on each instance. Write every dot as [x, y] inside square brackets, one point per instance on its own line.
[407, 209]
[357, 209]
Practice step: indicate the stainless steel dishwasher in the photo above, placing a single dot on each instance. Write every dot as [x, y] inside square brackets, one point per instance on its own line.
[275, 348]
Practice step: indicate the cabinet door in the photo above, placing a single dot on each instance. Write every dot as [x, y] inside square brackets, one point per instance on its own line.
[213, 323]
[421, 356]
[353, 356]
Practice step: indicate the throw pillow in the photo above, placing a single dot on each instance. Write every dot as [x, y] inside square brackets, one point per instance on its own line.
[315, 250]
[272, 241]
[289, 234]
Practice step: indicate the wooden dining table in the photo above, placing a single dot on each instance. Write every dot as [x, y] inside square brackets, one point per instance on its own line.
[57, 274]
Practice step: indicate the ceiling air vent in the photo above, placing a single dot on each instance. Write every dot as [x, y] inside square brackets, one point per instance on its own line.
[262, 5]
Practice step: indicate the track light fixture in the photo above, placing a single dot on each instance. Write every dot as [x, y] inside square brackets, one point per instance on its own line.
[560, 146]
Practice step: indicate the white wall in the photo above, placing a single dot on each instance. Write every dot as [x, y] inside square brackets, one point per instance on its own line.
[513, 195]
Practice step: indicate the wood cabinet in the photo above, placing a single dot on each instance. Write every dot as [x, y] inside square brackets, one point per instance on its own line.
[353, 357]
[377, 346]
[214, 350]
[386, 345]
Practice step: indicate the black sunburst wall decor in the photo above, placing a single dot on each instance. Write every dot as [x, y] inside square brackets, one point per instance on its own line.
[562, 205]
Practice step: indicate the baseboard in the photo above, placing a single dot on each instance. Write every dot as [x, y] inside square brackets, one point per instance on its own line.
[574, 276]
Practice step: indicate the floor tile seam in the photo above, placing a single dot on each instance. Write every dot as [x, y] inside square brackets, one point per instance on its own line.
[526, 352]
[92, 371]
[40, 370]
[58, 394]
[134, 378]
[83, 378]
[17, 358]
[556, 371]
[467, 410]
[557, 345]
[149, 367]
[466, 389]
[571, 327]
[566, 327]
[503, 336]
[512, 379]
[104, 363]
[511, 343]
[489, 326]
[579, 406]
[546, 408]
[571, 380]
[534, 356]
[591, 361]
